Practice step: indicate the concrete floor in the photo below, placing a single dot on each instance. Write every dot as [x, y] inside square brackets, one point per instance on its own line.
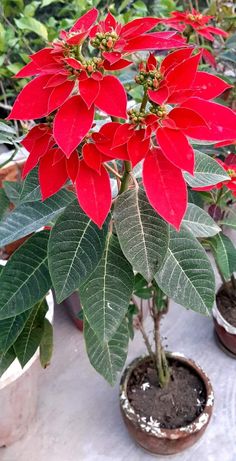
[78, 414]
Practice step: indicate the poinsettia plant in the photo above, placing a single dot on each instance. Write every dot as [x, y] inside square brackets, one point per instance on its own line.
[111, 178]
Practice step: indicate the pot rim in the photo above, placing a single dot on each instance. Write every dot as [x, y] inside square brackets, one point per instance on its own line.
[152, 426]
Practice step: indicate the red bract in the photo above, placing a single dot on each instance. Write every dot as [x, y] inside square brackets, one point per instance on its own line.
[165, 187]
[196, 20]
[94, 193]
[72, 122]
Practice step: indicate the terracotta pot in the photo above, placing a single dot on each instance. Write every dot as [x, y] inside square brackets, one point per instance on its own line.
[149, 435]
[19, 395]
[73, 307]
[225, 333]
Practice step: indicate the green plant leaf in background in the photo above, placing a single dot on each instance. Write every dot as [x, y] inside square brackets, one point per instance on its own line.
[199, 222]
[207, 171]
[29, 340]
[107, 358]
[31, 216]
[142, 233]
[106, 295]
[46, 344]
[30, 24]
[25, 279]
[10, 329]
[224, 253]
[186, 275]
[75, 248]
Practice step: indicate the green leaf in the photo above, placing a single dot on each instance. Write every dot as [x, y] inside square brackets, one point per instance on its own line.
[30, 191]
[142, 233]
[25, 279]
[10, 329]
[32, 25]
[186, 275]
[29, 340]
[46, 345]
[107, 358]
[207, 171]
[224, 253]
[4, 203]
[13, 191]
[106, 295]
[229, 220]
[6, 360]
[31, 216]
[199, 222]
[75, 248]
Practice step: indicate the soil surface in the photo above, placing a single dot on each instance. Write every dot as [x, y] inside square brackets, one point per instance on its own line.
[175, 405]
[226, 302]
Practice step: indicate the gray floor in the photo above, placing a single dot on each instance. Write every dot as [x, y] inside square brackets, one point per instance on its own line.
[78, 415]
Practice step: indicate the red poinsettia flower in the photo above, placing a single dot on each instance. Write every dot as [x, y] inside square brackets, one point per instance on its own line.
[115, 39]
[199, 23]
[177, 78]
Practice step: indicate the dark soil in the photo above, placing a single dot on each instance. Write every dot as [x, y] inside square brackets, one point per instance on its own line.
[226, 302]
[175, 405]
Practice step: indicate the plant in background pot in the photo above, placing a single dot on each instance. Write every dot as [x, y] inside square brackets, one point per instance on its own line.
[127, 210]
[220, 200]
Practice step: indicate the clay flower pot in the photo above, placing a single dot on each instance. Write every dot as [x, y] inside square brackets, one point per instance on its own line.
[148, 433]
[225, 332]
[73, 307]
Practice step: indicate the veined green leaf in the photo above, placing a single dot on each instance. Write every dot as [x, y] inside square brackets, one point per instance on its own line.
[25, 279]
[186, 275]
[142, 233]
[106, 295]
[224, 253]
[31, 216]
[107, 358]
[6, 360]
[199, 222]
[75, 248]
[29, 340]
[30, 191]
[207, 171]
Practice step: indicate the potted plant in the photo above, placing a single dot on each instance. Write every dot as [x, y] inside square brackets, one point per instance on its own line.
[126, 210]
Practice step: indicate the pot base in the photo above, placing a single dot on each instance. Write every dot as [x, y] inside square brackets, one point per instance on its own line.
[223, 347]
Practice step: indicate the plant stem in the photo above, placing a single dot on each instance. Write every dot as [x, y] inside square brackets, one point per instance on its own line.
[144, 102]
[126, 177]
[160, 357]
[145, 337]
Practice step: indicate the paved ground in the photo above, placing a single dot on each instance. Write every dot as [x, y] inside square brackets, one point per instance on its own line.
[78, 415]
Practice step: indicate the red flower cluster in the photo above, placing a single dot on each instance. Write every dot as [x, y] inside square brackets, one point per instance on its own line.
[195, 19]
[73, 87]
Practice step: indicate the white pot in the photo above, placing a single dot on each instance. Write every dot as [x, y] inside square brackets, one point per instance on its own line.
[18, 394]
